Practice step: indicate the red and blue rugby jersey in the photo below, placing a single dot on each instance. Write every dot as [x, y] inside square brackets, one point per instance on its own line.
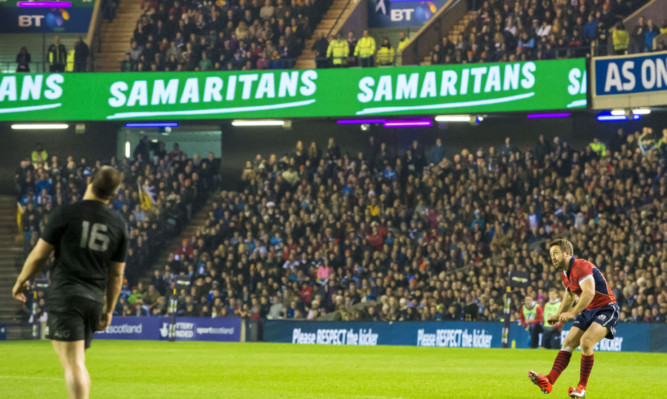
[581, 270]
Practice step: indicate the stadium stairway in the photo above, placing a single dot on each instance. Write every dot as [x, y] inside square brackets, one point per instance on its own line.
[307, 58]
[116, 36]
[198, 221]
[11, 250]
[458, 29]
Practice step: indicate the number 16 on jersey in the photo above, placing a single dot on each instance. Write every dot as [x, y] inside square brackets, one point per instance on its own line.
[95, 239]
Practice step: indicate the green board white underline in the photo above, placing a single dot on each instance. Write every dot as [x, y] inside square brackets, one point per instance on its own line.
[381, 110]
[29, 108]
[125, 115]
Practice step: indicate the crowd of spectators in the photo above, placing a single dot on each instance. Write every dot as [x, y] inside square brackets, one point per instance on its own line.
[532, 30]
[59, 59]
[642, 38]
[322, 234]
[202, 35]
[178, 186]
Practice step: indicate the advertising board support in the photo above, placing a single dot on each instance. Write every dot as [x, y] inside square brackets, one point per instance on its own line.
[253, 330]
[173, 306]
[517, 279]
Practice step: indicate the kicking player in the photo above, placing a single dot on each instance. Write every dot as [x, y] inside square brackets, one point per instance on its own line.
[596, 315]
[90, 243]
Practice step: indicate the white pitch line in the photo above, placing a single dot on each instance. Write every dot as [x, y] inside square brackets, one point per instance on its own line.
[27, 377]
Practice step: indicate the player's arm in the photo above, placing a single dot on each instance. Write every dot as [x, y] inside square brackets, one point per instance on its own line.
[587, 285]
[33, 264]
[565, 305]
[114, 284]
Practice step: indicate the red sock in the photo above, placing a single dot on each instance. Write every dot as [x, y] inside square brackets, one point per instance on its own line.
[586, 367]
[560, 364]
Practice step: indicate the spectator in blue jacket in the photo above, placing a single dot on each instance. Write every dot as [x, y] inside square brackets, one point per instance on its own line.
[437, 152]
[590, 29]
[650, 32]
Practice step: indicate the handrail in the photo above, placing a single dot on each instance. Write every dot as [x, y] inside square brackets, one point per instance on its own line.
[94, 23]
[338, 18]
[93, 37]
[433, 23]
[638, 11]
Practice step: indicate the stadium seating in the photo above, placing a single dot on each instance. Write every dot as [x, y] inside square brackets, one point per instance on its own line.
[320, 234]
[188, 35]
[523, 30]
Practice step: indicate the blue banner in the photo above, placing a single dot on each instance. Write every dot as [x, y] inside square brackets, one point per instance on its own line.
[187, 329]
[45, 20]
[629, 75]
[629, 337]
[433, 334]
[142, 328]
[401, 13]
[3, 332]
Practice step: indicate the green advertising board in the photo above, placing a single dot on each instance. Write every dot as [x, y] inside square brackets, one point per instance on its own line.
[526, 86]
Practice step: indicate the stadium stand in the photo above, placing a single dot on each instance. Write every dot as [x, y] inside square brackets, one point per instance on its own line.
[240, 35]
[179, 187]
[323, 234]
[197, 32]
[531, 30]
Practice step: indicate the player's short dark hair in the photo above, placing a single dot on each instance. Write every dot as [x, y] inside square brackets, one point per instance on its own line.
[105, 182]
[563, 244]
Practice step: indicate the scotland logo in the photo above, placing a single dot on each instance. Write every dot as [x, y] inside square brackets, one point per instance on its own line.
[602, 317]
[56, 18]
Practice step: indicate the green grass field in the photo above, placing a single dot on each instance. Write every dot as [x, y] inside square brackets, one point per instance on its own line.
[148, 369]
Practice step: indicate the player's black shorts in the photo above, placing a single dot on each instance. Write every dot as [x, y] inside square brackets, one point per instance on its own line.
[73, 319]
[607, 316]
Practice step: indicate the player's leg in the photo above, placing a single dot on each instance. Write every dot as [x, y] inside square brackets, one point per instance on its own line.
[571, 342]
[594, 334]
[72, 356]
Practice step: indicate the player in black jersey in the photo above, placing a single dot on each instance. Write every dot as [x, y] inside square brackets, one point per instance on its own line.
[90, 242]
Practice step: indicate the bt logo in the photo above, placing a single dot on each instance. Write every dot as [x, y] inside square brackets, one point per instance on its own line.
[53, 19]
[26, 21]
[422, 12]
[401, 14]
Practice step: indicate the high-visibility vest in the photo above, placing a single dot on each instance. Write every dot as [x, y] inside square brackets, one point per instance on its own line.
[385, 56]
[529, 314]
[621, 39]
[600, 148]
[57, 54]
[70, 61]
[550, 309]
[365, 47]
[402, 44]
[339, 50]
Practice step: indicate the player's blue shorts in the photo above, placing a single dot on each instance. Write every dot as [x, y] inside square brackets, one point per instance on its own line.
[606, 316]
